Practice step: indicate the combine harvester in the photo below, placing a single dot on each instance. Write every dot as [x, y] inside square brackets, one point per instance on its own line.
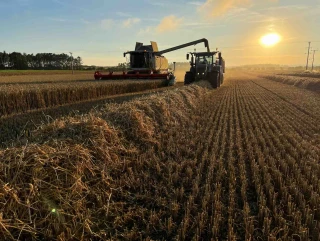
[147, 62]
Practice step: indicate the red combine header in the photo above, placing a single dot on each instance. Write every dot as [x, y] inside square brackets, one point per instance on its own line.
[111, 76]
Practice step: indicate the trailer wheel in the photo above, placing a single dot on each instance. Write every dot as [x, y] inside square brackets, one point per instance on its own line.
[188, 78]
[214, 79]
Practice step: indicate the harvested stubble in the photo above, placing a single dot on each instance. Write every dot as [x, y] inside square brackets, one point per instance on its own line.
[237, 163]
[22, 98]
[298, 81]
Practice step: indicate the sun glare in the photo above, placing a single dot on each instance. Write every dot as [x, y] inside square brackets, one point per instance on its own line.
[270, 39]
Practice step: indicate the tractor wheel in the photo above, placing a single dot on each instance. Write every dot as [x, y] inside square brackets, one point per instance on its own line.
[188, 78]
[214, 79]
[222, 78]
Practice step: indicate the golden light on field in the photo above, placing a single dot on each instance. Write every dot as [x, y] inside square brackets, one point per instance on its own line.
[270, 40]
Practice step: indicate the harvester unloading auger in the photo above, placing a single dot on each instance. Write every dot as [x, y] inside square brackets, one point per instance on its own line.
[147, 62]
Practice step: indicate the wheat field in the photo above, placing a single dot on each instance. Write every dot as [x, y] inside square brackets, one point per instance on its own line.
[237, 163]
[22, 93]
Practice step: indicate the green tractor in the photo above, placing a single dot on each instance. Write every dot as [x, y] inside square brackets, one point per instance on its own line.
[206, 66]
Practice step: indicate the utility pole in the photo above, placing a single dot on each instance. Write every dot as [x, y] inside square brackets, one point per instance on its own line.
[308, 56]
[314, 52]
[71, 61]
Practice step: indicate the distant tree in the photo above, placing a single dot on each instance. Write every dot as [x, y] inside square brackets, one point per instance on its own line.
[4, 60]
[122, 66]
[77, 62]
[16, 60]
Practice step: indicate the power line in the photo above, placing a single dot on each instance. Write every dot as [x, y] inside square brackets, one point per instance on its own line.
[314, 52]
[308, 56]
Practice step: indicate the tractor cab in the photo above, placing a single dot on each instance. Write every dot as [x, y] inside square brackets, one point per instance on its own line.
[204, 59]
[201, 63]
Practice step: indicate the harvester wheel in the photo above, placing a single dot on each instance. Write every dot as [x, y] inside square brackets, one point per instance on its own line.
[214, 79]
[188, 78]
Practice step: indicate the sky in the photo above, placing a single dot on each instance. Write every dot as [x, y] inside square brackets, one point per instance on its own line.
[101, 30]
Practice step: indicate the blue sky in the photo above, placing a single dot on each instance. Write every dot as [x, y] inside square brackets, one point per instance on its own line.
[100, 31]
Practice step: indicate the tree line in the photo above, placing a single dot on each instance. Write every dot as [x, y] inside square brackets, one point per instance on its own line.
[47, 61]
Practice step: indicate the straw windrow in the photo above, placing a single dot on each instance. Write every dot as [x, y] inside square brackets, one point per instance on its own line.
[72, 181]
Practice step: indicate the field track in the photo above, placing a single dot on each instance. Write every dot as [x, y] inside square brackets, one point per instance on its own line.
[237, 163]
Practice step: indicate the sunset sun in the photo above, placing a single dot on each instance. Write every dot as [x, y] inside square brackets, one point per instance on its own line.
[270, 39]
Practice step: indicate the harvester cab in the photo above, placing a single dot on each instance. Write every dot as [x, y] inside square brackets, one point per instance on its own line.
[206, 65]
[144, 59]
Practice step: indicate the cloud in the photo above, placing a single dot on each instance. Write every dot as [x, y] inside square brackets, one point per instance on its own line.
[146, 30]
[110, 23]
[24, 2]
[156, 3]
[288, 7]
[64, 20]
[245, 15]
[201, 25]
[57, 19]
[107, 23]
[196, 3]
[84, 21]
[130, 21]
[169, 23]
[67, 4]
[16, 3]
[215, 8]
[122, 14]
